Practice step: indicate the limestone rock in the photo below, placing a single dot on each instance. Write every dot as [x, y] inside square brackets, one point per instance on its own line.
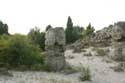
[55, 47]
[112, 36]
[103, 37]
[50, 37]
[118, 51]
[118, 31]
[118, 41]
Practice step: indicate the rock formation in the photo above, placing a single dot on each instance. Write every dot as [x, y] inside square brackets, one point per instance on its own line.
[55, 47]
[103, 37]
[118, 41]
[111, 36]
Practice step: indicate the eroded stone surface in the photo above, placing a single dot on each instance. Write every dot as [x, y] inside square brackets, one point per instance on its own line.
[118, 41]
[55, 47]
[111, 36]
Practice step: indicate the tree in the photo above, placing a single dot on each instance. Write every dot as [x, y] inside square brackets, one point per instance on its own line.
[42, 40]
[3, 28]
[69, 31]
[77, 31]
[37, 37]
[18, 50]
[89, 31]
[48, 27]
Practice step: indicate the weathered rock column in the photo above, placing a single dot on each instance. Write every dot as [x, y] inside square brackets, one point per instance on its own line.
[118, 51]
[55, 47]
[118, 42]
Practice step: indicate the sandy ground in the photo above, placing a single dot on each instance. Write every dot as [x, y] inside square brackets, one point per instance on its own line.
[99, 67]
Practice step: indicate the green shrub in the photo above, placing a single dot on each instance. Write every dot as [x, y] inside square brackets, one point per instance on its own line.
[37, 67]
[47, 68]
[4, 45]
[85, 74]
[100, 52]
[37, 38]
[89, 31]
[18, 50]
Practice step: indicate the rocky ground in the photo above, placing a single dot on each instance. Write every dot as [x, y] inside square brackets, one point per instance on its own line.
[100, 67]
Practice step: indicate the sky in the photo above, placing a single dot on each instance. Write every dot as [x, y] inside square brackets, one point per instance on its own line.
[22, 15]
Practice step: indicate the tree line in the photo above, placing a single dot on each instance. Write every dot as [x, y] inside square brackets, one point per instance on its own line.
[28, 50]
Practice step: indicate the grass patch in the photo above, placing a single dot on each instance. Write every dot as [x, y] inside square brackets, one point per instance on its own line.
[69, 69]
[85, 74]
[100, 52]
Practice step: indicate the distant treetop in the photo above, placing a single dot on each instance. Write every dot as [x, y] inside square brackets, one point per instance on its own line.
[48, 27]
[3, 28]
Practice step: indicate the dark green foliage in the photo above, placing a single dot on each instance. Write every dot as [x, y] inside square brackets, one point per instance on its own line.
[89, 31]
[42, 41]
[3, 28]
[77, 30]
[18, 51]
[100, 52]
[48, 27]
[4, 45]
[73, 33]
[69, 31]
[37, 37]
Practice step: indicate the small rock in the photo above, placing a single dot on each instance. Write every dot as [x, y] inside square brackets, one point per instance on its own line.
[5, 72]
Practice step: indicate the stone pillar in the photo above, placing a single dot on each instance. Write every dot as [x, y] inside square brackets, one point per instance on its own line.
[118, 39]
[119, 51]
[55, 47]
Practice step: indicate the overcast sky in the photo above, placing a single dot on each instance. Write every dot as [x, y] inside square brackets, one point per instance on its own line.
[22, 15]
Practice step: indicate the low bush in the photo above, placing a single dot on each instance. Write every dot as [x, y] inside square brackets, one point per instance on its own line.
[37, 67]
[100, 52]
[18, 51]
[85, 74]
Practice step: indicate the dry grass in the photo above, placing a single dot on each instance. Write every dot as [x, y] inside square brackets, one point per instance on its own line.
[85, 74]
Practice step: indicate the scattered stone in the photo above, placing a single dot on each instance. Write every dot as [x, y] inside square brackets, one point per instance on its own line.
[77, 50]
[87, 54]
[120, 67]
[70, 57]
[83, 50]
